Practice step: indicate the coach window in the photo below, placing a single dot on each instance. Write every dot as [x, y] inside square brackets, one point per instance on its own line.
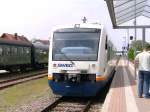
[1, 50]
[12, 50]
[41, 52]
[20, 49]
[24, 50]
[44, 52]
[27, 50]
[7, 50]
[15, 50]
[37, 51]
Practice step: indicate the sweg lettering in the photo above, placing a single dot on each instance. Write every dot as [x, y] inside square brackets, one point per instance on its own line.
[65, 65]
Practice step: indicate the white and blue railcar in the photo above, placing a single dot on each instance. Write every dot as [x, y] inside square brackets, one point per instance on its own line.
[79, 60]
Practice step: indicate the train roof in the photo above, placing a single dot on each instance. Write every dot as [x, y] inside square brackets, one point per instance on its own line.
[14, 40]
[46, 42]
[40, 45]
[77, 26]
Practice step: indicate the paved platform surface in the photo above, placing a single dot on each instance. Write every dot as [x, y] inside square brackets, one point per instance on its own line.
[122, 96]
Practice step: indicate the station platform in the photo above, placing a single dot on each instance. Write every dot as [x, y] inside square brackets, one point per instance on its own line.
[122, 96]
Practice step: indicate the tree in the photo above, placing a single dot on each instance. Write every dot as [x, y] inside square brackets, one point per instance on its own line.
[131, 54]
[138, 45]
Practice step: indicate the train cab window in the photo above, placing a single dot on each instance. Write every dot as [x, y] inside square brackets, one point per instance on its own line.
[78, 46]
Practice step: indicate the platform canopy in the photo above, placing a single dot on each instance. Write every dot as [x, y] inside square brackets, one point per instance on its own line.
[122, 11]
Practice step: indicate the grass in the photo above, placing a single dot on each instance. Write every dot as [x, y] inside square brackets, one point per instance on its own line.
[22, 93]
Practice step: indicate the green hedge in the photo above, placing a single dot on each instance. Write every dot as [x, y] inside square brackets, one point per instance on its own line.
[131, 54]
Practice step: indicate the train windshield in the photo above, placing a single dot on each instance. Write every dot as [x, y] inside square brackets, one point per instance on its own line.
[75, 46]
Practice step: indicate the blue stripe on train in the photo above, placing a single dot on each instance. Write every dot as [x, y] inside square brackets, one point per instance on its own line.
[83, 89]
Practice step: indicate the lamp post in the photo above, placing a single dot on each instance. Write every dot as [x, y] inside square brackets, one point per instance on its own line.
[128, 46]
[124, 45]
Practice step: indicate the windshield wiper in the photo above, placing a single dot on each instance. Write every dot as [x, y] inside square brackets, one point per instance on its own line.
[65, 56]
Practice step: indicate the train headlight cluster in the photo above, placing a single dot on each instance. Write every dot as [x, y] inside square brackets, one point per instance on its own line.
[74, 77]
[54, 65]
[93, 65]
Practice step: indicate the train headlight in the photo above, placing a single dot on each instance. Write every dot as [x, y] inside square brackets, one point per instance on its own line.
[93, 65]
[54, 65]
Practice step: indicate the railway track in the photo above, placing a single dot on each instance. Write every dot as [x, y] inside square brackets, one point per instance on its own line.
[22, 78]
[69, 104]
[80, 105]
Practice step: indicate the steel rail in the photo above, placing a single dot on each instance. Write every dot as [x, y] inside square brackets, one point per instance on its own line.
[87, 107]
[53, 105]
[21, 76]
[11, 82]
[83, 108]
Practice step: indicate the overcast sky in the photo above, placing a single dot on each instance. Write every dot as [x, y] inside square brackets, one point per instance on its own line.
[36, 18]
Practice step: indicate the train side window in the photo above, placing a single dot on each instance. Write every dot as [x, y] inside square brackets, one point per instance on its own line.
[24, 50]
[42, 52]
[37, 50]
[27, 50]
[8, 50]
[106, 46]
[20, 50]
[1, 50]
[15, 50]
[12, 50]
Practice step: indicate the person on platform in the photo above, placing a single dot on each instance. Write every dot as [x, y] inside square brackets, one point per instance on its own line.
[142, 63]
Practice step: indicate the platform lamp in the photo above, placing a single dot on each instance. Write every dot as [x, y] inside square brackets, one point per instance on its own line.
[128, 45]
[131, 38]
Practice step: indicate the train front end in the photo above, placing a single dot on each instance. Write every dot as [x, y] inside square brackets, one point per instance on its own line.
[74, 66]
